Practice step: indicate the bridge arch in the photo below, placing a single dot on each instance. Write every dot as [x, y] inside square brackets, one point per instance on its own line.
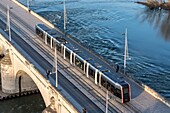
[24, 82]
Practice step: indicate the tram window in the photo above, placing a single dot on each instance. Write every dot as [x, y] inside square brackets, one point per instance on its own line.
[44, 35]
[52, 43]
[73, 58]
[37, 30]
[91, 73]
[58, 48]
[39, 33]
[85, 67]
[125, 90]
[103, 82]
[79, 63]
[112, 89]
[126, 94]
[48, 39]
[98, 75]
[108, 85]
[67, 53]
[118, 93]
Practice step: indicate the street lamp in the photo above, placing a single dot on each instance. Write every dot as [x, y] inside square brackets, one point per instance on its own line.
[28, 5]
[55, 63]
[8, 27]
[125, 51]
[126, 54]
[65, 16]
[107, 99]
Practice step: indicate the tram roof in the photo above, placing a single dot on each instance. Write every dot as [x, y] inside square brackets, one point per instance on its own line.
[58, 36]
[42, 26]
[53, 32]
[62, 40]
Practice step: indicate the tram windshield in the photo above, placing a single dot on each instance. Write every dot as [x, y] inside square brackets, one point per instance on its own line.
[125, 90]
[126, 94]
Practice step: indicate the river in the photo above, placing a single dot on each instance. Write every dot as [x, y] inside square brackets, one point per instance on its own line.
[27, 104]
[100, 24]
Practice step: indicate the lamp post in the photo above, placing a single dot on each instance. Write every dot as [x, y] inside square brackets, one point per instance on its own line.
[107, 99]
[65, 16]
[8, 27]
[65, 20]
[126, 55]
[28, 5]
[55, 64]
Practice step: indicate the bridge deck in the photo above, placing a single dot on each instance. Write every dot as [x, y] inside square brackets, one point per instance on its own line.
[141, 100]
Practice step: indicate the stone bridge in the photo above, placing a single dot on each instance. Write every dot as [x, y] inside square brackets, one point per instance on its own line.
[19, 75]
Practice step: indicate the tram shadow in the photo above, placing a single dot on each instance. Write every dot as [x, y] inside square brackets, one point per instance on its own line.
[136, 90]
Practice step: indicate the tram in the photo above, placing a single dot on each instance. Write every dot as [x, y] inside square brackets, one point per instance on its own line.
[80, 59]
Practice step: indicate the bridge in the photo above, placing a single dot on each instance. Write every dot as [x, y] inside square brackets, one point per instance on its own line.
[19, 74]
[27, 58]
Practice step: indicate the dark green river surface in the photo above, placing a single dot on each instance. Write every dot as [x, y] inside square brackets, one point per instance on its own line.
[28, 104]
[100, 25]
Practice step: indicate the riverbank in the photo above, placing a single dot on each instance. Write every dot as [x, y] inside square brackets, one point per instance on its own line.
[156, 5]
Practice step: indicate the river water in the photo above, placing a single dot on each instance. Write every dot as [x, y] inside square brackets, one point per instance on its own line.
[28, 104]
[100, 25]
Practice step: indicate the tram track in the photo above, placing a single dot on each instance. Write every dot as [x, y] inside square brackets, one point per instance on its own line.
[77, 78]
